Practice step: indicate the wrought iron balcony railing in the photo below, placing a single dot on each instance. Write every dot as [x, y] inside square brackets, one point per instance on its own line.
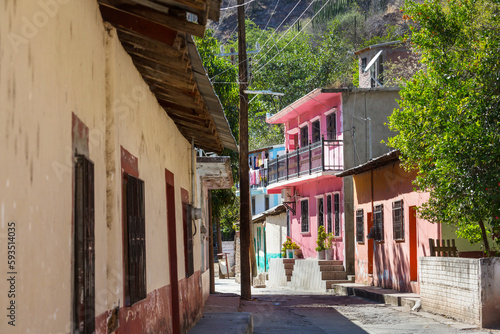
[321, 156]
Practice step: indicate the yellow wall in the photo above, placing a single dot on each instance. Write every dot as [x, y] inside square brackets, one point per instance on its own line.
[55, 61]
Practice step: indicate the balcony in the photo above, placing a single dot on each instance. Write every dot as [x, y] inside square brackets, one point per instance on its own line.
[322, 156]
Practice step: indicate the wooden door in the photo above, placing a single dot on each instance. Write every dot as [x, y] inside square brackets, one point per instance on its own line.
[413, 244]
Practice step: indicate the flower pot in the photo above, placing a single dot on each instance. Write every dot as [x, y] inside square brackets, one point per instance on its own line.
[289, 253]
[329, 254]
[321, 255]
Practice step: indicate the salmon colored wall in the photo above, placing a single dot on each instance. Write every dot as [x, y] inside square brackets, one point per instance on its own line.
[391, 267]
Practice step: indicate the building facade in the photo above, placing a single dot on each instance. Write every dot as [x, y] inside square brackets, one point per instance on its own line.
[305, 175]
[99, 172]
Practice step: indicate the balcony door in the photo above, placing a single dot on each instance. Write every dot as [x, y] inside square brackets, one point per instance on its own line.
[304, 136]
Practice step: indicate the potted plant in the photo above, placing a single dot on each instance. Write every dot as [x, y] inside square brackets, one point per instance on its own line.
[330, 243]
[288, 248]
[321, 243]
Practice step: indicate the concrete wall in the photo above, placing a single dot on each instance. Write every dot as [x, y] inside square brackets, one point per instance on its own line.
[356, 108]
[390, 54]
[465, 289]
[275, 235]
[63, 61]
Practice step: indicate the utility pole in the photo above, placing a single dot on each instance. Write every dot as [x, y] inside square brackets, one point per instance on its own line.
[246, 292]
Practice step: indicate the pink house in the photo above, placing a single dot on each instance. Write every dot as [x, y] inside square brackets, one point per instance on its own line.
[305, 175]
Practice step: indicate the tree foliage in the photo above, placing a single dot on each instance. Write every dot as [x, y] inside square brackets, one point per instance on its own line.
[449, 117]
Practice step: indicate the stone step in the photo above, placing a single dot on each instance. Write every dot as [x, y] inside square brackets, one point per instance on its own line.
[288, 260]
[288, 272]
[330, 263]
[288, 265]
[331, 268]
[333, 275]
[289, 278]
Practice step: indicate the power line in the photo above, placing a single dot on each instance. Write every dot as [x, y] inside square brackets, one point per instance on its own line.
[260, 68]
[236, 6]
[270, 17]
[291, 26]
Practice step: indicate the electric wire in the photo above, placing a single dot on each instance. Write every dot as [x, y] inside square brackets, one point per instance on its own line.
[267, 24]
[236, 6]
[292, 25]
[260, 68]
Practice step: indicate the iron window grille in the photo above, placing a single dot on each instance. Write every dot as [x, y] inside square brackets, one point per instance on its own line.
[304, 136]
[329, 213]
[316, 131]
[360, 226]
[398, 220]
[320, 212]
[84, 252]
[378, 222]
[304, 215]
[331, 126]
[135, 241]
[336, 208]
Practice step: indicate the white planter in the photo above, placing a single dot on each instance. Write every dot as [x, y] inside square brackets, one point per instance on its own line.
[329, 254]
[321, 255]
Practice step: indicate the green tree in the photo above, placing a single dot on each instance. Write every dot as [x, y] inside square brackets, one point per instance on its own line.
[449, 116]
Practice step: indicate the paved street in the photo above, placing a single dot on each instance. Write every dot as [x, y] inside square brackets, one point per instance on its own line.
[283, 310]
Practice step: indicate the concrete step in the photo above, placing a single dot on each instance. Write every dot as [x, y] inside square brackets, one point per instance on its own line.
[333, 275]
[331, 268]
[288, 272]
[289, 278]
[330, 263]
[233, 322]
[288, 260]
[330, 283]
[386, 296]
[289, 265]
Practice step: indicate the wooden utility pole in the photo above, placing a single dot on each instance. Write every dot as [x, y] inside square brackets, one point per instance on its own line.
[246, 292]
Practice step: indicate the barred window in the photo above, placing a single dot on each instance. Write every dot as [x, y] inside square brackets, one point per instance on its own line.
[329, 213]
[320, 212]
[304, 215]
[331, 126]
[336, 208]
[360, 226]
[378, 222]
[135, 241]
[316, 133]
[304, 136]
[398, 220]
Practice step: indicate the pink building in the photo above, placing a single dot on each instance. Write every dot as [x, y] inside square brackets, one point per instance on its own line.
[305, 175]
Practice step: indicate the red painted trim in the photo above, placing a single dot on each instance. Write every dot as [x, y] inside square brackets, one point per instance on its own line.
[152, 315]
[130, 164]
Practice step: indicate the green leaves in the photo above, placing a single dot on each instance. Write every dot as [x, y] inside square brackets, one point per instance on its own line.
[448, 116]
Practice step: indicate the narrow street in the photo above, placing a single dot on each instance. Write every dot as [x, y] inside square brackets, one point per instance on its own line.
[282, 310]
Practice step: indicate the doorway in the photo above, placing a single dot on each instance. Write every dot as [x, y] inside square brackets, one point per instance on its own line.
[413, 244]
[172, 251]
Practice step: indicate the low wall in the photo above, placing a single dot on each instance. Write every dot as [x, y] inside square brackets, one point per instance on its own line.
[277, 275]
[465, 289]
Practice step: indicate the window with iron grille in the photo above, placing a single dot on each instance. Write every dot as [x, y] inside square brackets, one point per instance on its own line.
[304, 215]
[378, 222]
[360, 226]
[336, 208]
[304, 134]
[253, 205]
[380, 70]
[316, 131]
[331, 126]
[329, 220]
[363, 63]
[135, 241]
[398, 220]
[188, 239]
[266, 202]
[320, 212]
[84, 251]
